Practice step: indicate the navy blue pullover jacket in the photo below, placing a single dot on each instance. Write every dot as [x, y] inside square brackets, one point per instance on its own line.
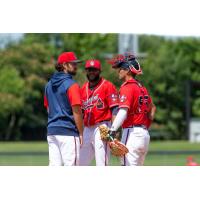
[60, 116]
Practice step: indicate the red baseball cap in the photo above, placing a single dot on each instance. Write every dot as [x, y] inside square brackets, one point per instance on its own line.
[68, 57]
[93, 64]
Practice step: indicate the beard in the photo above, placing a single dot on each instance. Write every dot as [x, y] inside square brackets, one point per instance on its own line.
[73, 73]
[93, 78]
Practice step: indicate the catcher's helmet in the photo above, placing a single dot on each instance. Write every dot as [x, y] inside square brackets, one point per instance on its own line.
[126, 61]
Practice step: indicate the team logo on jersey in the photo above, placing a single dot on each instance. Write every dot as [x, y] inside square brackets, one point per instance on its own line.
[93, 101]
[114, 98]
[99, 104]
[122, 98]
[89, 103]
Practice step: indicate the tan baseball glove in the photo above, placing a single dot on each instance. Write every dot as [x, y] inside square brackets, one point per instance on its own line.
[104, 132]
[117, 148]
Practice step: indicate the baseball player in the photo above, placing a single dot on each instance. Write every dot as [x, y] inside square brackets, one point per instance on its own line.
[136, 110]
[63, 103]
[99, 104]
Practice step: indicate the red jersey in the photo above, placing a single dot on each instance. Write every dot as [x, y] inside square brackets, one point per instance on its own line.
[96, 103]
[135, 97]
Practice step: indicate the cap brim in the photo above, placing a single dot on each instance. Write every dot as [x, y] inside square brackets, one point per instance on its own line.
[92, 67]
[76, 61]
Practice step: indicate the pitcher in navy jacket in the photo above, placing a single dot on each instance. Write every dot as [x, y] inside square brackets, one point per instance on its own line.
[63, 104]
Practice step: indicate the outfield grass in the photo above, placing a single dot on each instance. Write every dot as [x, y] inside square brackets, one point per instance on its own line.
[172, 153]
[166, 153]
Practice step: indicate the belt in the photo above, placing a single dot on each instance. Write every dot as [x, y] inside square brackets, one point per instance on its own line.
[138, 126]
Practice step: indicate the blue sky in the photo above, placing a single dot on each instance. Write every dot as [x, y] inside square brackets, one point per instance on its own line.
[8, 37]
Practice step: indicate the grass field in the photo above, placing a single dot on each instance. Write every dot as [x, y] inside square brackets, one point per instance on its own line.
[167, 153]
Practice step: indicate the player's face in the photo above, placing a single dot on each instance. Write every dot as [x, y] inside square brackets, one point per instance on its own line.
[93, 74]
[122, 73]
[71, 68]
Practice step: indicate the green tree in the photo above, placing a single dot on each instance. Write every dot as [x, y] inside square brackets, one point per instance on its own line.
[12, 92]
[33, 60]
[168, 65]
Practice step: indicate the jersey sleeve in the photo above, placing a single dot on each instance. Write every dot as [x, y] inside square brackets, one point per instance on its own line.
[125, 97]
[73, 94]
[112, 95]
[46, 105]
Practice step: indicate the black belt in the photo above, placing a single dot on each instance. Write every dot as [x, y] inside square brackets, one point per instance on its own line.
[138, 126]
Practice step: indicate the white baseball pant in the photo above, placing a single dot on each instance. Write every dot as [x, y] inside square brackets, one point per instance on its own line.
[94, 147]
[63, 150]
[137, 141]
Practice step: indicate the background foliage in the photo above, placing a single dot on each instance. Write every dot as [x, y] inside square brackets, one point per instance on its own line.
[26, 66]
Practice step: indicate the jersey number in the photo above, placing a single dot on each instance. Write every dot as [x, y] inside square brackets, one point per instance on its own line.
[143, 104]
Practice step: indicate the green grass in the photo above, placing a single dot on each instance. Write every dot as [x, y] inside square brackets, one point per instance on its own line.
[23, 147]
[174, 145]
[175, 159]
[36, 154]
[168, 160]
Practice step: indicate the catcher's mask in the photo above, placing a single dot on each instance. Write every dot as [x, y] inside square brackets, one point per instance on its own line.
[126, 61]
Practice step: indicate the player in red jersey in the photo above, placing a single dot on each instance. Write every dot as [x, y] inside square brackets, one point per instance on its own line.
[99, 104]
[136, 110]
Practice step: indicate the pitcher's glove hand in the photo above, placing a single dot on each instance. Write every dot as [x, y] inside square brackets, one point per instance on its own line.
[104, 132]
[117, 148]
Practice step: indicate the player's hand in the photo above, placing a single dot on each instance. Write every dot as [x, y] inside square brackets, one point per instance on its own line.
[112, 134]
[81, 140]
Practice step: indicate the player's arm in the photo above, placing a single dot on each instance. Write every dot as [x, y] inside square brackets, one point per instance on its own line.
[113, 99]
[114, 111]
[119, 119]
[77, 113]
[73, 94]
[81, 96]
[124, 106]
[152, 111]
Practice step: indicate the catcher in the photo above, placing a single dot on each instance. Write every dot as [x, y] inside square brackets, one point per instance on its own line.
[136, 110]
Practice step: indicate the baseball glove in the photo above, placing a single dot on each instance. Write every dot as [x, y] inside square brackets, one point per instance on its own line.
[117, 148]
[104, 132]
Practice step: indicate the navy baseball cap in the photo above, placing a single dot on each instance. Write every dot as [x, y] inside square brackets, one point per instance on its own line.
[123, 65]
[133, 65]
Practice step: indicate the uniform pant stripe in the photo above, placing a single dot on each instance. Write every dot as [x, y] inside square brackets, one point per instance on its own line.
[106, 153]
[75, 151]
[125, 144]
